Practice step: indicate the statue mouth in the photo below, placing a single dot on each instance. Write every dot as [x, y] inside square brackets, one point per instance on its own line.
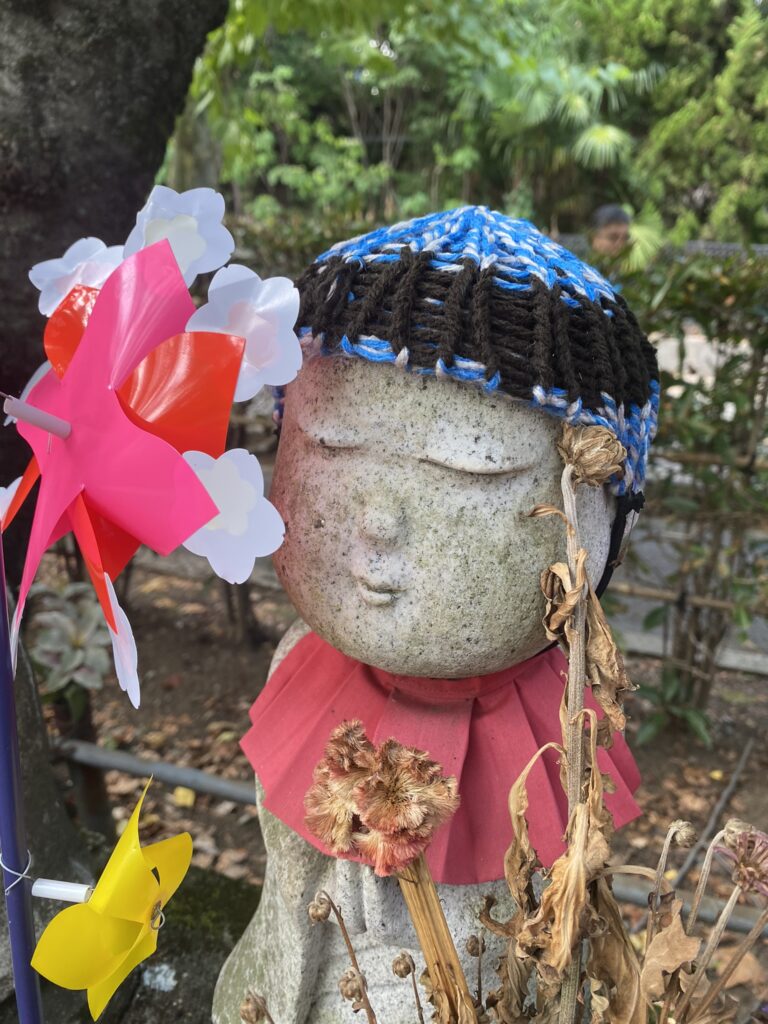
[377, 594]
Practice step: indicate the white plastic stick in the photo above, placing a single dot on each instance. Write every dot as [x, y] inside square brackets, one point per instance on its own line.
[36, 417]
[65, 892]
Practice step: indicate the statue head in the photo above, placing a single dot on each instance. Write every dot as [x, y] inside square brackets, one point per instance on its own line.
[443, 356]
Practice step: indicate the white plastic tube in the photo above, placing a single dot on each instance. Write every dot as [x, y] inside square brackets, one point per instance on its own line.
[65, 892]
[37, 418]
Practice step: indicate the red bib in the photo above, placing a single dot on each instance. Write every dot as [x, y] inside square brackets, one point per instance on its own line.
[483, 730]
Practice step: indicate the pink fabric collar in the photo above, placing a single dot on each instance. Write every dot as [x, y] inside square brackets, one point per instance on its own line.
[483, 730]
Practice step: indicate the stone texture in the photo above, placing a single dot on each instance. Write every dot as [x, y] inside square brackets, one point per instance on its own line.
[408, 546]
[423, 485]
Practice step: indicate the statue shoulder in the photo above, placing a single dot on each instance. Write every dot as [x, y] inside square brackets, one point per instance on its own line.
[294, 633]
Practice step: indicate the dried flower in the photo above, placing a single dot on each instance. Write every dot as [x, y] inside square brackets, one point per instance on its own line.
[384, 804]
[320, 908]
[407, 792]
[746, 850]
[403, 965]
[349, 757]
[683, 833]
[254, 1009]
[475, 945]
[352, 985]
[595, 453]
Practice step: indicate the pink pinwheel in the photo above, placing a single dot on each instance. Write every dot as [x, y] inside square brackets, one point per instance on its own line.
[136, 391]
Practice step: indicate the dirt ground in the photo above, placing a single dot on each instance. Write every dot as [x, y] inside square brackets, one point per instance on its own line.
[199, 679]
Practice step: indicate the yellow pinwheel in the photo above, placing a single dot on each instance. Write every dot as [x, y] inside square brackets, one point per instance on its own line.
[96, 945]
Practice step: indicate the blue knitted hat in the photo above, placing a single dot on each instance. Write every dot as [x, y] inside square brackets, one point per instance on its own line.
[490, 301]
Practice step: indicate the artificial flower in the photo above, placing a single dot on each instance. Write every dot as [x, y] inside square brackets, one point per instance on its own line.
[247, 526]
[6, 495]
[137, 391]
[192, 223]
[88, 262]
[95, 945]
[123, 648]
[264, 313]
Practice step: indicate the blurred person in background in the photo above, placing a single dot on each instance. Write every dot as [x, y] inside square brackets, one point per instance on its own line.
[609, 233]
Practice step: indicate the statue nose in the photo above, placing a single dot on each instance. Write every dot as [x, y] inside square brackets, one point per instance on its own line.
[382, 521]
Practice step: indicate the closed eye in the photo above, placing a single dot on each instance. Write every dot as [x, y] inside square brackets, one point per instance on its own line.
[473, 467]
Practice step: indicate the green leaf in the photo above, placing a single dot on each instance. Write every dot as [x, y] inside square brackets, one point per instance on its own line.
[656, 617]
[88, 678]
[601, 145]
[651, 727]
[698, 723]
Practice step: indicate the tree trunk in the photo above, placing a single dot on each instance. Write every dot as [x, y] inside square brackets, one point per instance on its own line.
[89, 91]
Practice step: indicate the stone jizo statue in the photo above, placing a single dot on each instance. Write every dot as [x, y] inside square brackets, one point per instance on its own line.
[441, 356]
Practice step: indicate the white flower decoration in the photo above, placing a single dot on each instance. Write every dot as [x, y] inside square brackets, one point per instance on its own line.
[6, 495]
[191, 221]
[264, 313]
[123, 649]
[247, 526]
[88, 261]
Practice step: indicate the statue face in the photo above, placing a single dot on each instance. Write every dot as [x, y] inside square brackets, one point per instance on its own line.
[405, 499]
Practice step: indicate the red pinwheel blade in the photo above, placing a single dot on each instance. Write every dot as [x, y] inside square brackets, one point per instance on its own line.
[66, 326]
[117, 547]
[82, 527]
[183, 390]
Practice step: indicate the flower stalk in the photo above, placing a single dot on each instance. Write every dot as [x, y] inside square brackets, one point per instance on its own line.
[436, 942]
[575, 735]
[383, 805]
[319, 910]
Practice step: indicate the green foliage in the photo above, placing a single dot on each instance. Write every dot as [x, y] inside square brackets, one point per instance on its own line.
[702, 153]
[67, 642]
[370, 112]
[400, 108]
[714, 483]
[670, 710]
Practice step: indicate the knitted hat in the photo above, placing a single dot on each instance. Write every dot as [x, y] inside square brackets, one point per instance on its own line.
[487, 300]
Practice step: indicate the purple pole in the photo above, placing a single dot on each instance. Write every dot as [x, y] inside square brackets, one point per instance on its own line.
[13, 842]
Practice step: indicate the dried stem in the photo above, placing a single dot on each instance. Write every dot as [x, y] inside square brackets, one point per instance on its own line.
[416, 996]
[443, 964]
[653, 899]
[577, 658]
[352, 959]
[574, 740]
[739, 953]
[702, 883]
[703, 960]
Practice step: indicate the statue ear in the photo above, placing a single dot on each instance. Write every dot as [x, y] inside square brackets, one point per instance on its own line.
[628, 508]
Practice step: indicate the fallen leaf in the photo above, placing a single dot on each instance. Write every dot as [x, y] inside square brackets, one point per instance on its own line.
[184, 797]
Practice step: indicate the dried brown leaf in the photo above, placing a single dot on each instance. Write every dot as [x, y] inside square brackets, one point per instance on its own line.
[564, 914]
[542, 511]
[606, 673]
[551, 933]
[520, 860]
[562, 594]
[613, 961]
[506, 1002]
[670, 949]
